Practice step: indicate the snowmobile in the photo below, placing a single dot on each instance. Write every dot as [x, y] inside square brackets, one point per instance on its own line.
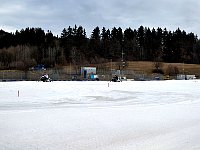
[115, 79]
[45, 79]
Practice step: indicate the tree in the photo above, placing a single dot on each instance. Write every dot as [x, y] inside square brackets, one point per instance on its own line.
[130, 44]
[196, 52]
[34, 45]
[115, 44]
[105, 43]
[148, 44]
[141, 38]
[6, 58]
[67, 41]
[94, 45]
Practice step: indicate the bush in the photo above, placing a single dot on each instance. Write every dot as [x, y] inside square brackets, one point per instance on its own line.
[160, 71]
[172, 70]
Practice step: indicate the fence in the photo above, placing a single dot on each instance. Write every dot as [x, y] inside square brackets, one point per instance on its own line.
[64, 74]
[15, 75]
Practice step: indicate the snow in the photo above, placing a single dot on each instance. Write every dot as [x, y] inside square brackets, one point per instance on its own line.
[100, 115]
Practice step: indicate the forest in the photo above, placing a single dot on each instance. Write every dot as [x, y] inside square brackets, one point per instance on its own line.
[32, 46]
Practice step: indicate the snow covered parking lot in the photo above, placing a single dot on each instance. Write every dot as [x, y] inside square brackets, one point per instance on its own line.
[100, 115]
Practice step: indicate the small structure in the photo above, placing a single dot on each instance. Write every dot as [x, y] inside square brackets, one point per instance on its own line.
[190, 77]
[185, 77]
[89, 72]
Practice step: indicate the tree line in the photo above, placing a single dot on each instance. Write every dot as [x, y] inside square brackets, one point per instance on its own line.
[31, 46]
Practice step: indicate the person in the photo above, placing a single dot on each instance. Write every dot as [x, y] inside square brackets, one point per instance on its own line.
[115, 78]
[44, 77]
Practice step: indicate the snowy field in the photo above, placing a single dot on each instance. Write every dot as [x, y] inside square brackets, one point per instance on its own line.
[100, 115]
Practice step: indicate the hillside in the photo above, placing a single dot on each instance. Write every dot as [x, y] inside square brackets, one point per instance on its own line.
[147, 67]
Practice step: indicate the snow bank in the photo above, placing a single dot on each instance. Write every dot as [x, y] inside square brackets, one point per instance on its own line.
[146, 115]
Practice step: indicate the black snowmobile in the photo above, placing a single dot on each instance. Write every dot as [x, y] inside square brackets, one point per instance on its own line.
[45, 79]
[115, 79]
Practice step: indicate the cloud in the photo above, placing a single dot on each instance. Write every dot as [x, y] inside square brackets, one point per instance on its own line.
[56, 15]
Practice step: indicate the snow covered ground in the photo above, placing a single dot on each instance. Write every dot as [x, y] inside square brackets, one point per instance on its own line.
[100, 115]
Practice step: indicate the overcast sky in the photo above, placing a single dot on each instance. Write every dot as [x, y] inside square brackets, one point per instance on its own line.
[55, 15]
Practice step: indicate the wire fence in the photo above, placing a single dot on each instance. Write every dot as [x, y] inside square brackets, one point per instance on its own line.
[67, 74]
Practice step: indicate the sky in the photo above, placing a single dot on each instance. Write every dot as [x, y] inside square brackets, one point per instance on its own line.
[55, 15]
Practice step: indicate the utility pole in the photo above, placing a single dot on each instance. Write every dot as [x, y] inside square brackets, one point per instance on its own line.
[110, 71]
[122, 60]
